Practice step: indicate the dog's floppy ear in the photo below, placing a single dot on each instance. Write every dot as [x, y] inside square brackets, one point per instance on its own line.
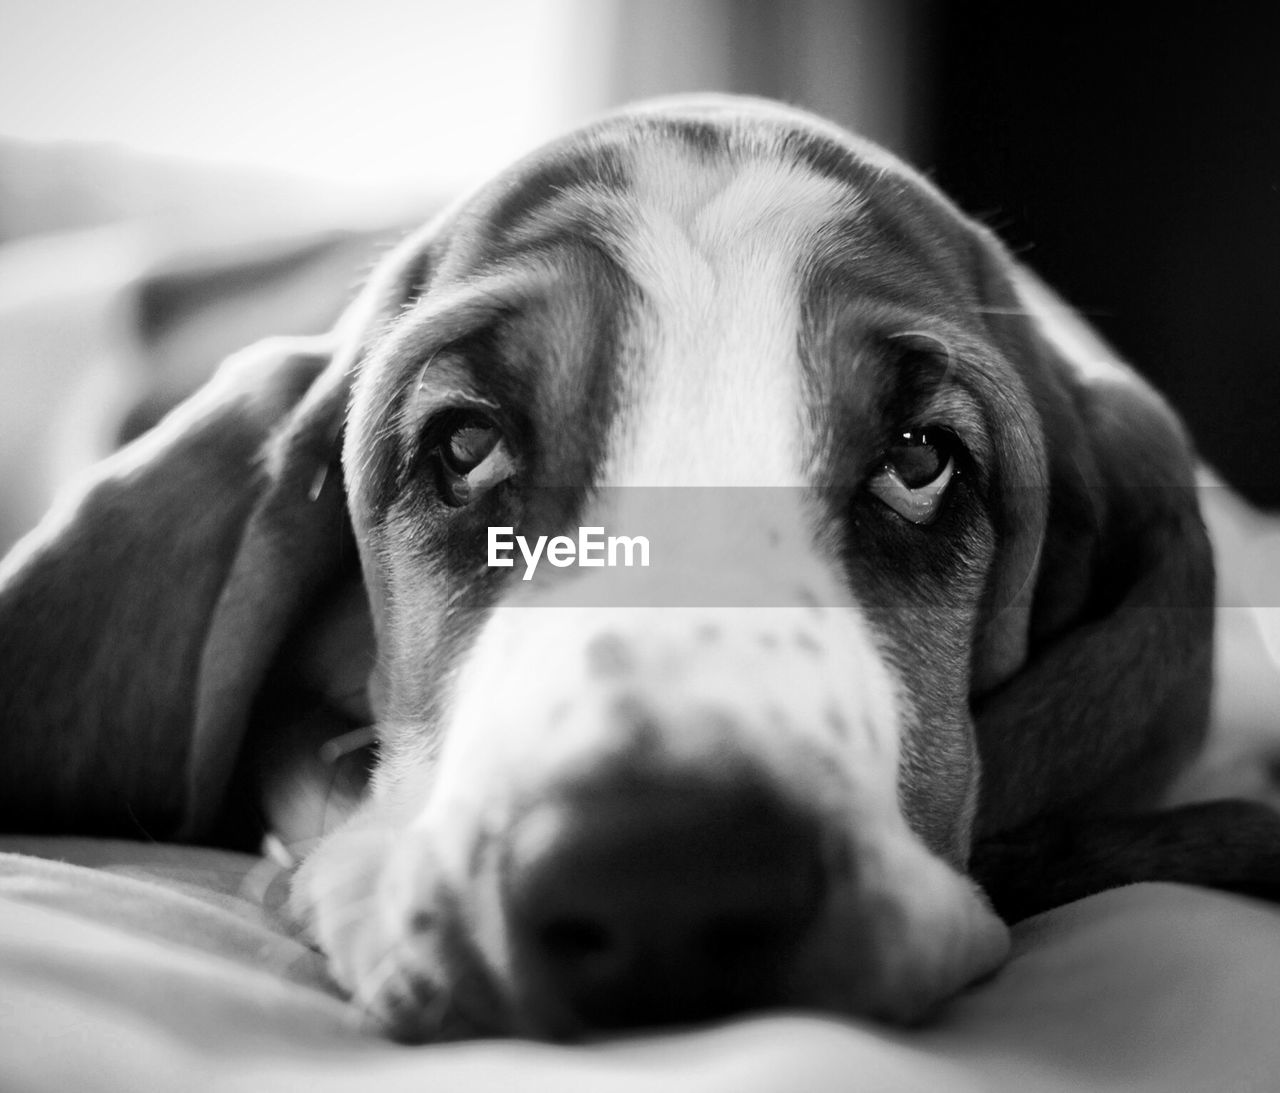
[1114, 643]
[138, 618]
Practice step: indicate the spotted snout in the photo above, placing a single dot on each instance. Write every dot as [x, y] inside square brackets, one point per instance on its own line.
[671, 868]
[666, 815]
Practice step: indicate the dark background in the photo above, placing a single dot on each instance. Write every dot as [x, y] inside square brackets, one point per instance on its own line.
[1135, 162]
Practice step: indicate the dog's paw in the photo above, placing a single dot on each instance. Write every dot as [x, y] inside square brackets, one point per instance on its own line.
[367, 898]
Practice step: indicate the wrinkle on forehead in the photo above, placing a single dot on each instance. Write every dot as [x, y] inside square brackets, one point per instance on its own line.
[716, 247]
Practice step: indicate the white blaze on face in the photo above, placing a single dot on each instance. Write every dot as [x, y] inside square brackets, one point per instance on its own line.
[712, 397]
[716, 252]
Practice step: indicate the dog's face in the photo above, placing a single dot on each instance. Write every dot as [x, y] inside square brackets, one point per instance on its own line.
[744, 775]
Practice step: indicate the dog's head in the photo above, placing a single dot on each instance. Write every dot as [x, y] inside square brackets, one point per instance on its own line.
[745, 774]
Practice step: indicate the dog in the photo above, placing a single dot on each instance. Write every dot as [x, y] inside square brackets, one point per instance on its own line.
[925, 632]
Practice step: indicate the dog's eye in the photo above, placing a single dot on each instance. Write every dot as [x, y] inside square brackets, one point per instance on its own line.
[469, 442]
[916, 469]
[473, 456]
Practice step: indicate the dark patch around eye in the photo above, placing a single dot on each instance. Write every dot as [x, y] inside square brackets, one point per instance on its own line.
[910, 380]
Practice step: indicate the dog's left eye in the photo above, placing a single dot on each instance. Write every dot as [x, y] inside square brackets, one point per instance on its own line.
[473, 456]
[915, 471]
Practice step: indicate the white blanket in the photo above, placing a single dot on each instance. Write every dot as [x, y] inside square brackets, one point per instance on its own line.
[130, 967]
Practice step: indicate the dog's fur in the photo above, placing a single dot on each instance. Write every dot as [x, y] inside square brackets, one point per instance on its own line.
[799, 759]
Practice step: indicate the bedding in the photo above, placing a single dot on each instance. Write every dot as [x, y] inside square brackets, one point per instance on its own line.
[135, 967]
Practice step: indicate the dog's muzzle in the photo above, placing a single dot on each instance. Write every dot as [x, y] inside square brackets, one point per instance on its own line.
[654, 815]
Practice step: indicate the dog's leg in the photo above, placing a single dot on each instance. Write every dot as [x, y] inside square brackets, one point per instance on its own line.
[1231, 845]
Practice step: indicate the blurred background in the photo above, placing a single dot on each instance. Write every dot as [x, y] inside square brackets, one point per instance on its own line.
[179, 178]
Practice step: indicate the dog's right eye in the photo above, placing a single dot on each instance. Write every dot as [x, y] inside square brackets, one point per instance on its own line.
[472, 456]
[916, 471]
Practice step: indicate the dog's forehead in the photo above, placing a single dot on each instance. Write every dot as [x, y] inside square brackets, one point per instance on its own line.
[700, 162]
[719, 221]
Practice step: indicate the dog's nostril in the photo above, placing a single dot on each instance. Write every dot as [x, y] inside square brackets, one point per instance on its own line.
[653, 905]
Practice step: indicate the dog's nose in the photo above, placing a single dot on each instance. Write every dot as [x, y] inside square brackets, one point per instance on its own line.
[661, 903]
